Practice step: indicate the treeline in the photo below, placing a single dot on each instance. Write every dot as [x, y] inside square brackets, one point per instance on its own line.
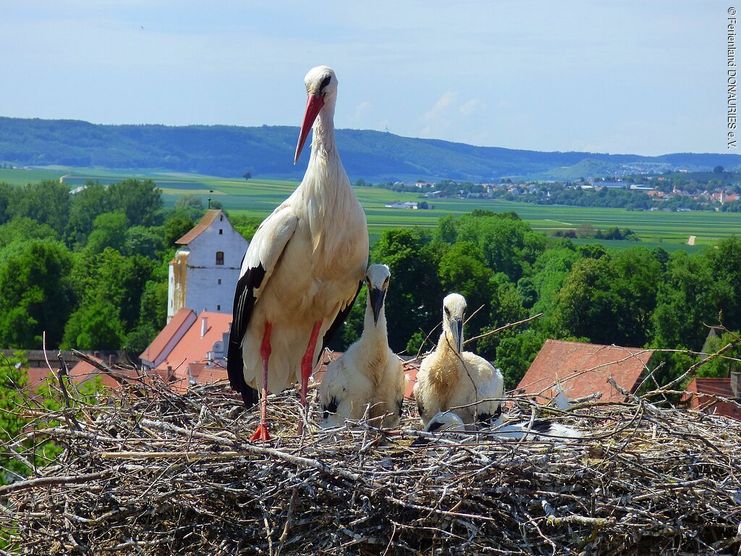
[89, 268]
[633, 297]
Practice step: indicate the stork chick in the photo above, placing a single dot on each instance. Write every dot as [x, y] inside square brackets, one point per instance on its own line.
[452, 379]
[369, 376]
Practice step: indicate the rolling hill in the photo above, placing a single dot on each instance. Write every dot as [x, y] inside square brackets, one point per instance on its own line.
[267, 151]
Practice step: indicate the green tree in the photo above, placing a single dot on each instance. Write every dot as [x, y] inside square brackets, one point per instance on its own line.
[462, 270]
[35, 293]
[147, 242]
[177, 224]
[587, 306]
[12, 401]
[730, 360]
[109, 231]
[724, 260]
[8, 195]
[516, 352]
[685, 303]
[85, 206]
[638, 273]
[139, 200]
[95, 325]
[23, 228]
[414, 300]
[46, 202]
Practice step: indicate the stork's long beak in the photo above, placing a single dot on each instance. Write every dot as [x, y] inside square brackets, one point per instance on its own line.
[314, 104]
[456, 328]
[376, 301]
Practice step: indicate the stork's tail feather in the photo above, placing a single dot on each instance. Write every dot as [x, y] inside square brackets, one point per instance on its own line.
[235, 366]
[250, 397]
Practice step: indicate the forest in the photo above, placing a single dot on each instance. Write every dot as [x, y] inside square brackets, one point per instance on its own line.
[90, 269]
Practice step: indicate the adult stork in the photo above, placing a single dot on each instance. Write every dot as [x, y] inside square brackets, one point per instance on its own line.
[452, 379]
[369, 375]
[303, 268]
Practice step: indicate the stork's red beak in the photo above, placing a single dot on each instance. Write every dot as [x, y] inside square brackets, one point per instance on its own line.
[313, 105]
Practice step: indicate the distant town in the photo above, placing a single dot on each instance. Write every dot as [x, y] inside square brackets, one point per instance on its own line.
[672, 191]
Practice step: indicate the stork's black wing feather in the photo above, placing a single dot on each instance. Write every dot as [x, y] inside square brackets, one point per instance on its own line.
[244, 303]
[341, 316]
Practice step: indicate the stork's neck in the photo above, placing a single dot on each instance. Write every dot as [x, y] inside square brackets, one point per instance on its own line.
[323, 143]
[446, 343]
[375, 332]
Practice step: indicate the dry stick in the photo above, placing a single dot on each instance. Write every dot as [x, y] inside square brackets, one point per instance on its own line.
[100, 366]
[430, 333]
[45, 481]
[71, 421]
[694, 367]
[504, 327]
[331, 470]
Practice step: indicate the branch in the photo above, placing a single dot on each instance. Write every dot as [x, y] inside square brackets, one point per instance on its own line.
[508, 325]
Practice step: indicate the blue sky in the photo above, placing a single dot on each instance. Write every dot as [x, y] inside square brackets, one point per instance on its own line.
[608, 76]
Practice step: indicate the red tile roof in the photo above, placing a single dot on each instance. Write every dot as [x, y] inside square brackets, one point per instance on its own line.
[193, 348]
[81, 372]
[36, 376]
[201, 227]
[180, 320]
[583, 369]
[712, 387]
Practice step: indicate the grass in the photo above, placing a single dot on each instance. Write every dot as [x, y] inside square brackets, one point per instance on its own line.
[258, 197]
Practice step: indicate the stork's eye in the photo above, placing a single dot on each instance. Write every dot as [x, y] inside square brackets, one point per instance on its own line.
[447, 311]
[325, 82]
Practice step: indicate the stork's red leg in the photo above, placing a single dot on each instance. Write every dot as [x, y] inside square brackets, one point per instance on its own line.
[262, 429]
[307, 365]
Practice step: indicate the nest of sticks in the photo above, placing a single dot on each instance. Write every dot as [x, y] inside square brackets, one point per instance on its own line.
[147, 471]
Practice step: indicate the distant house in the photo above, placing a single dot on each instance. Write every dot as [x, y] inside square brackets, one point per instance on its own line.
[703, 395]
[80, 372]
[204, 272]
[402, 205]
[190, 349]
[584, 369]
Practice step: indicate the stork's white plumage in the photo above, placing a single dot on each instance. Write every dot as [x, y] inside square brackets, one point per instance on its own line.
[303, 268]
[539, 429]
[450, 378]
[368, 376]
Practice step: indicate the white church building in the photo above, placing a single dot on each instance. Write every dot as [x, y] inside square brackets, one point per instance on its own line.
[204, 273]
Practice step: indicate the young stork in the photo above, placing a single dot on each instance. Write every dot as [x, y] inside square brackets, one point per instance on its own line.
[541, 429]
[303, 268]
[368, 375]
[452, 379]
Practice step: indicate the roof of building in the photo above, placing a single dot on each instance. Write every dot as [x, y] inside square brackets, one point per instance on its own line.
[36, 377]
[84, 371]
[712, 387]
[178, 320]
[194, 347]
[583, 369]
[208, 219]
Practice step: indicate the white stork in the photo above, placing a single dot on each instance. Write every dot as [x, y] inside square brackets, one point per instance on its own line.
[303, 268]
[369, 374]
[540, 429]
[452, 379]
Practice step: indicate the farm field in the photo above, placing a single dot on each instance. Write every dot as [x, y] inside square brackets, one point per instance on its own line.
[257, 197]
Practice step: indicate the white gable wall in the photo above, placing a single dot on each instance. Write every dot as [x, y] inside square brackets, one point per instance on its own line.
[210, 286]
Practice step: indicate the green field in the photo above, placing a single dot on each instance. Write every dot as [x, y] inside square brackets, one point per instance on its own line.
[258, 197]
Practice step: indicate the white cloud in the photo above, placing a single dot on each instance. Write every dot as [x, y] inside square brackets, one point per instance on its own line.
[449, 116]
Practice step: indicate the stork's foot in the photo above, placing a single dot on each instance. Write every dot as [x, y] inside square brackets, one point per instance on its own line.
[261, 434]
